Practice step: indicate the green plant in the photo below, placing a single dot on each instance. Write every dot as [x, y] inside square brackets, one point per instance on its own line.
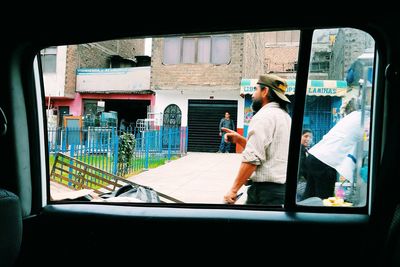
[126, 146]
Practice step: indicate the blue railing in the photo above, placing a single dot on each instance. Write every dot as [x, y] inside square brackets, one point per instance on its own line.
[98, 146]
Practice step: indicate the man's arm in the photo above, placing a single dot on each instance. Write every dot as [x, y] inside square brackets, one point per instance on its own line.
[245, 171]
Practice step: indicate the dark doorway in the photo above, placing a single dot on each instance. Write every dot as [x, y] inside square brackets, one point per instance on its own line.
[62, 111]
[203, 123]
[130, 110]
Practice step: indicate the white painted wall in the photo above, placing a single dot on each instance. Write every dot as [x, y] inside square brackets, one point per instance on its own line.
[113, 80]
[181, 97]
[147, 46]
[54, 83]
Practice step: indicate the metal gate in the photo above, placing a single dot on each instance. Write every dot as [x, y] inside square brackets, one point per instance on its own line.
[203, 123]
[318, 116]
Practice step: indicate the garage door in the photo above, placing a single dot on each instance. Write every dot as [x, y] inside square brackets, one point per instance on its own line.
[203, 123]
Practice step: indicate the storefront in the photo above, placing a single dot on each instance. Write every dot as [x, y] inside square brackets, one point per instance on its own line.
[324, 98]
[201, 111]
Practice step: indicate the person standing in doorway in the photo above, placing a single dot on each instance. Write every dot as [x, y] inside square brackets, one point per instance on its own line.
[122, 126]
[266, 147]
[225, 122]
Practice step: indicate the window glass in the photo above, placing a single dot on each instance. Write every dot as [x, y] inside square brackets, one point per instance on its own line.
[280, 37]
[49, 63]
[159, 118]
[200, 50]
[220, 53]
[172, 50]
[333, 167]
[270, 38]
[153, 132]
[204, 50]
[295, 36]
[189, 49]
[48, 58]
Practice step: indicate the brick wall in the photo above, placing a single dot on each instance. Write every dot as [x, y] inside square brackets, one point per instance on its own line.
[280, 59]
[70, 70]
[131, 48]
[188, 76]
[89, 56]
[349, 44]
[253, 54]
[96, 55]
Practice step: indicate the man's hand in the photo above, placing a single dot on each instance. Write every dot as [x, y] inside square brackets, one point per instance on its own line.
[220, 134]
[233, 137]
[230, 197]
[230, 136]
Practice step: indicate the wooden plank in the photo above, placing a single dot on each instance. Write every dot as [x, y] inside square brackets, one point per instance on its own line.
[63, 164]
[66, 179]
[85, 182]
[87, 173]
[64, 161]
[63, 156]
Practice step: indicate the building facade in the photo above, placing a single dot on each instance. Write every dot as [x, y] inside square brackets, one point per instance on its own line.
[198, 77]
[352, 51]
[66, 76]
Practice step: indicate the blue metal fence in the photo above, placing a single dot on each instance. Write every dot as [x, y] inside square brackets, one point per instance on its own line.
[98, 146]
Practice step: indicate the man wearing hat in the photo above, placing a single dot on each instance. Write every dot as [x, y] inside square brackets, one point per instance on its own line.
[266, 147]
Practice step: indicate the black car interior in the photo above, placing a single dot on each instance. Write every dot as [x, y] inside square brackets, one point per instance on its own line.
[35, 232]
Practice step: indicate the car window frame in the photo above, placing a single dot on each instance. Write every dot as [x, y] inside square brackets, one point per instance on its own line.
[305, 46]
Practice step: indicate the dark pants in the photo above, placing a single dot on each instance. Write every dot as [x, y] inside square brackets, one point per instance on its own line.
[265, 193]
[321, 179]
[224, 146]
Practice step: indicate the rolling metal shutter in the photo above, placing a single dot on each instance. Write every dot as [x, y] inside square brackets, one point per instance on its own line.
[203, 123]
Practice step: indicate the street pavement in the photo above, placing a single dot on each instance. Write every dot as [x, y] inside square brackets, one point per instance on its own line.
[195, 178]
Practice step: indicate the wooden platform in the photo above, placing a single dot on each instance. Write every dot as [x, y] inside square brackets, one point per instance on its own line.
[81, 178]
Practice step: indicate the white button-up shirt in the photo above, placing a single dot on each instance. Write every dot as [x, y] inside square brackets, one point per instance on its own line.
[268, 144]
[338, 148]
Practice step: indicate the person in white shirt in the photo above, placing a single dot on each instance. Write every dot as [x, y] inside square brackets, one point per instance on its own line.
[335, 154]
[266, 147]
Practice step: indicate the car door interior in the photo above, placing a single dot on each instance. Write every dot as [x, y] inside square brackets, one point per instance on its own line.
[79, 233]
[10, 227]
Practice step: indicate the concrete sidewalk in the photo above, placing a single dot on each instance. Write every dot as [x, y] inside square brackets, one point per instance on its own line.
[195, 178]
